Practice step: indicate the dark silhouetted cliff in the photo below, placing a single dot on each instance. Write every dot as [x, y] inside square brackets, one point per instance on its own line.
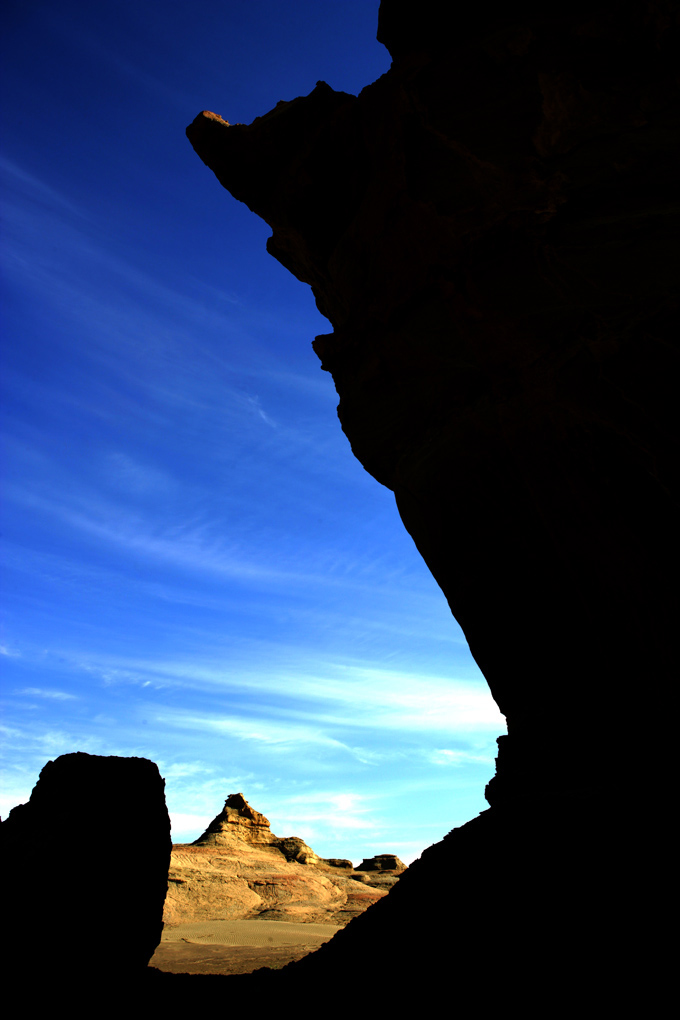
[491, 229]
[83, 904]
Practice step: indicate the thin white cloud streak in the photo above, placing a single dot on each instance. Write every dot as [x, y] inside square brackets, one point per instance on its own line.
[50, 694]
[362, 699]
[398, 612]
[286, 738]
[50, 742]
[194, 545]
[179, 770]
[361, 690]
[290, 736]
[458, 759]
[191, 540]
[39, 190]
[131, 318]
[402, 611]
[326, 812]
[188, 545]
[10, 732]
[145, 337]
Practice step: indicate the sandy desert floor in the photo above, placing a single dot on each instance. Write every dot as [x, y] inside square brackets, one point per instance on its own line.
[236, 947]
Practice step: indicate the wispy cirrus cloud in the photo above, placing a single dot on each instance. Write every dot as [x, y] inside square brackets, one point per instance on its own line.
[147, 348]
[284, 737]
[338, 693]
[458, 758]
[49, 693]
[327, 811]
[192, 544]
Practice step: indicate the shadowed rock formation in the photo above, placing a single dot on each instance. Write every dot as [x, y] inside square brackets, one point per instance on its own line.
[238, 869]
[491, 229]
[82, 904]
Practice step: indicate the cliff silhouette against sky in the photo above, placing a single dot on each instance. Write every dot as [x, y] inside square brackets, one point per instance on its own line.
[491, 230]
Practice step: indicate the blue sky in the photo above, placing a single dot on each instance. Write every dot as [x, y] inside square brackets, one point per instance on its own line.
[195, 567]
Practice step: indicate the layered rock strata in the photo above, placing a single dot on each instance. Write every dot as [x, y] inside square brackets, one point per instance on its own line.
[491, 228]
[238, 869]
[381, 863]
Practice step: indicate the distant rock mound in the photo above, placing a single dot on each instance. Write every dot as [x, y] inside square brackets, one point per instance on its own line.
[383, 862]
[238, 869]
[295, 849]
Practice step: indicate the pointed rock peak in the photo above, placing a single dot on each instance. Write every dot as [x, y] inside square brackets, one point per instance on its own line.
[237, 820]
[236, 802]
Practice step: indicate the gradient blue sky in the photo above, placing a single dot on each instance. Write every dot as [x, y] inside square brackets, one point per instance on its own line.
[196, 569]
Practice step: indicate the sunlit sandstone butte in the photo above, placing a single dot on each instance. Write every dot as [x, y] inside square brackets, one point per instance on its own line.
[238, 869]
[491, 230]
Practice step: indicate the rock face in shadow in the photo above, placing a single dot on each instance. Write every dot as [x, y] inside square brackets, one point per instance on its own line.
[238, 869]
[83, 903]
[491, 229]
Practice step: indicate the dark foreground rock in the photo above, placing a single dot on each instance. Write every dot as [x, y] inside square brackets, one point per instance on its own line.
[492, 230]
[541, 910]
[89, 897]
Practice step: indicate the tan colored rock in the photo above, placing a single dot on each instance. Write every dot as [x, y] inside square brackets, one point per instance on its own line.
[238, 869]
[237, 820]
[383, 862]
[295, 849]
